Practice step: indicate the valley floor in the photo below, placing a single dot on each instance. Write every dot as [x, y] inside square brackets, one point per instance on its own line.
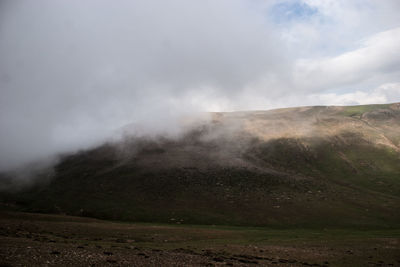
[28, 239]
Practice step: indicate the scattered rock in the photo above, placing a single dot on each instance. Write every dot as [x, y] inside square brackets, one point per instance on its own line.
[144, 255]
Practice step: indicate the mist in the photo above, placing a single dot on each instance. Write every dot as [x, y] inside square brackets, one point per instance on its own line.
[74, 73]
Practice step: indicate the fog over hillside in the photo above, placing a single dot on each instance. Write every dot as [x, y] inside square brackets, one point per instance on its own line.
[314, 166]
[74, 73]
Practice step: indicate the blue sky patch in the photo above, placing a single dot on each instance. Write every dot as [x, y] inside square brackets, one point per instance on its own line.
[291, 11]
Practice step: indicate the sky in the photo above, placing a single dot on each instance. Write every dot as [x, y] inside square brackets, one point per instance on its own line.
[73, 72]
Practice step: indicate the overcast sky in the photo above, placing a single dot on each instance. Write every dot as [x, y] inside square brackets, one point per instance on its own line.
[72, 71]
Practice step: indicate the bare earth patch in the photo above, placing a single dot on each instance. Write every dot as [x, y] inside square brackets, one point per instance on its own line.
[55, 240]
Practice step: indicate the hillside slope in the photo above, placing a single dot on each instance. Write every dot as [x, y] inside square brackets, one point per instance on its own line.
[309, 166]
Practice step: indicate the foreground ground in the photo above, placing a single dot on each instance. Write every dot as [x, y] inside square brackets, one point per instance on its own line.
[55, 240]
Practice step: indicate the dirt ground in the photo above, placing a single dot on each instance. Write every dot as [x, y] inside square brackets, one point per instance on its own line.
[55, 240]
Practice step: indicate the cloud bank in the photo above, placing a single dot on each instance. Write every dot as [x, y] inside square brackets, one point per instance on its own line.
[74, 72]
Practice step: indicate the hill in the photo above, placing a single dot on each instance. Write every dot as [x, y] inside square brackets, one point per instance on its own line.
[308, 166]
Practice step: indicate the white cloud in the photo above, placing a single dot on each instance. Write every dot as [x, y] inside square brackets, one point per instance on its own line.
[71, 72]
[337, 25]
[378, 55]
[386, 93]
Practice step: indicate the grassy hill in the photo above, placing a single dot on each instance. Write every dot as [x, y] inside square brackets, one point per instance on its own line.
[308, 166]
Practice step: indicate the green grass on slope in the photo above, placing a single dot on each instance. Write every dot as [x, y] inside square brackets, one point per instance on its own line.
[357, 181]
[362, 190]
[359, 110]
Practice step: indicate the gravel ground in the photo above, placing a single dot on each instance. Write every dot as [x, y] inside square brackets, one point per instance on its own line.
[49, 240]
